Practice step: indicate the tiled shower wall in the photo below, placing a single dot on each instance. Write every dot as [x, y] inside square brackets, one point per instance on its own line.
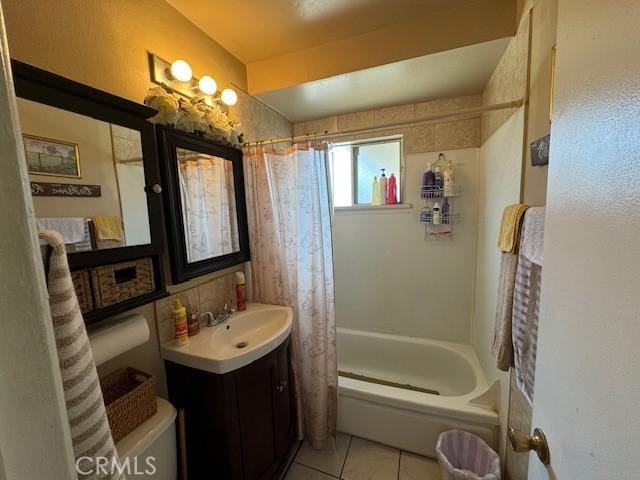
[451, 134]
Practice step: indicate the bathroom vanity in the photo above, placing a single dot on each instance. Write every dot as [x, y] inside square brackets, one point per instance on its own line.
[234, 384]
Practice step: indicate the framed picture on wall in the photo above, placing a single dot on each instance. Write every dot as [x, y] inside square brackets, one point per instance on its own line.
[55, 158]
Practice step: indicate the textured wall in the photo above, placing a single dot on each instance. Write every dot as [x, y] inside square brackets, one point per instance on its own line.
[450, 134]
[105, 43]
[509, 82]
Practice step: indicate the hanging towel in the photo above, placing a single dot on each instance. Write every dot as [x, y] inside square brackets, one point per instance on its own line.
[87, 415]
[108, 227]
[533, 236]
[526, 303]
[502, 345]
[71, 228]
[508, 241]
[510, 227]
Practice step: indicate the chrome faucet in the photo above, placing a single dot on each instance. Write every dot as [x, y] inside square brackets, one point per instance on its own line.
[221, 317]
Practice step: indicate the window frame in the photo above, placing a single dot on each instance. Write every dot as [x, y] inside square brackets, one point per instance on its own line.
[354, 146]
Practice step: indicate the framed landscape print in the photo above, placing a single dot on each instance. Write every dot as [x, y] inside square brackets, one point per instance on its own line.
[51, 157]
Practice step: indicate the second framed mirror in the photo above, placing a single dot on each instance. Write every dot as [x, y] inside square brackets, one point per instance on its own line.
[206, 210]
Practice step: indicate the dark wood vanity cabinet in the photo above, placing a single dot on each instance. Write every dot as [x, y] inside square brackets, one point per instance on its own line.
[238, 425]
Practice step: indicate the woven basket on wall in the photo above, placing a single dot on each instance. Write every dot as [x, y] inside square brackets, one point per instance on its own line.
[82, 287]
[130, 399]
[122, 281]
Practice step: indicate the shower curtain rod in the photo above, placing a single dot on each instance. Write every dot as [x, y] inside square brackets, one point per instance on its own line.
[425, 119]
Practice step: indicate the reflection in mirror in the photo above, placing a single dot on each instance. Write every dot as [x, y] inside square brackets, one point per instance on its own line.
[87, 178]
[208, 201]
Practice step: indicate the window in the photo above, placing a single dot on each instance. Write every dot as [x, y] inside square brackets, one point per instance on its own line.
[354, 165]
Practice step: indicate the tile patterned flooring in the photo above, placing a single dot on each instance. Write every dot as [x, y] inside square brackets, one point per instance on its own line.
[353, 458]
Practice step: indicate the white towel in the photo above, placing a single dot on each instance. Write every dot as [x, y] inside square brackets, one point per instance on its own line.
[72, 229]
[532, 239]
[90, 432]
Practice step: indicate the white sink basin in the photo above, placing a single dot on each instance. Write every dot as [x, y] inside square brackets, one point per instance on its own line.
[245, 337]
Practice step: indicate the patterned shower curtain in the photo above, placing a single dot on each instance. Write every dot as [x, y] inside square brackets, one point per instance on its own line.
[208, 206]
[289, 214]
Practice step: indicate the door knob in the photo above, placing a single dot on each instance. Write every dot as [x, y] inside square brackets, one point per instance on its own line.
[521, 442]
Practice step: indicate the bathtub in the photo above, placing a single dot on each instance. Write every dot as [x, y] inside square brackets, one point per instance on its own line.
[384, 390]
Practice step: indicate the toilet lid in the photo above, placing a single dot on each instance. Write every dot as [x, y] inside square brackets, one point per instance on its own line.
[148, 432]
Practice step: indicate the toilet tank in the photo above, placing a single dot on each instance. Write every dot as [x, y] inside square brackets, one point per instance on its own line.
[151, 448]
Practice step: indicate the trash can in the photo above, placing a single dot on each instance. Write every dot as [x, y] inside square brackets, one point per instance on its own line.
[465, 456]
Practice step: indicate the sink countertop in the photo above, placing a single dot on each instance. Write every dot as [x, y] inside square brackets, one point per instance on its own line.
[244, 338]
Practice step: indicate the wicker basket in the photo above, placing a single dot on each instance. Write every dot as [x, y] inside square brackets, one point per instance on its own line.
[122, 281]
[130, 398]
[82, 287]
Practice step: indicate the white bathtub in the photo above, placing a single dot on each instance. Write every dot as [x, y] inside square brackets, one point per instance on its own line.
[406, 419]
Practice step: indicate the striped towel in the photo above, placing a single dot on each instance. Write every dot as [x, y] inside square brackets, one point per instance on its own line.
[526, 302]
[502, 344]
[85, 406]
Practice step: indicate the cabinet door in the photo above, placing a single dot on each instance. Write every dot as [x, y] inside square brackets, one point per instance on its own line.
[283, 407]
[256, 390]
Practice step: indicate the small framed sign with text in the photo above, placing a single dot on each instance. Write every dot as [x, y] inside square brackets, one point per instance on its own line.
[46, 189]
[540, 151]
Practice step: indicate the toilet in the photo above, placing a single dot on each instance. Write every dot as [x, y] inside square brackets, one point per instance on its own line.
[151, 448]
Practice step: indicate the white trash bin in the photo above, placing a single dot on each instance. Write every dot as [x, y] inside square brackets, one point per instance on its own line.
[465, 456]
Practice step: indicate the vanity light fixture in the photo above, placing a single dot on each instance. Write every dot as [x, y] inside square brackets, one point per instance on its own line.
[178, 77]
[229, 97]
[181, 71]
[207, 85]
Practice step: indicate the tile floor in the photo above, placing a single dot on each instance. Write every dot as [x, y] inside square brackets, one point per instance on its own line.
[353, 458]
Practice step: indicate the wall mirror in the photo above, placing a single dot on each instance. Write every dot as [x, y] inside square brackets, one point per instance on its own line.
[87, 178]
[95, 178]
[206, 212]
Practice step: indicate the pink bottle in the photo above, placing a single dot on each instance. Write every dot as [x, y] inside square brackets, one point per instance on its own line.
[392, 196]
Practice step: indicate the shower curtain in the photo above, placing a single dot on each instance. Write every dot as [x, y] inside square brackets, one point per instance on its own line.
[292, 264]
[208, 205]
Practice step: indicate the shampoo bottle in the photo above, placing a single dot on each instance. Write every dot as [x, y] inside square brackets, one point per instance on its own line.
[180, 323]
[375, 192]
[449, 180]
[438, 180]
[428, 180]
[241, 292]
[436, 213]
[383, 187]
[444, 212]
[392, 190]
[426, 215]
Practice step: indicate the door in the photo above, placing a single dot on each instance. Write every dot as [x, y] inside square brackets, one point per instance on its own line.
[256, 388]
[588, 364]
[282, 401]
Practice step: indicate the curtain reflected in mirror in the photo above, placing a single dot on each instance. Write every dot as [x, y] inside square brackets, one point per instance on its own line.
[208, 205]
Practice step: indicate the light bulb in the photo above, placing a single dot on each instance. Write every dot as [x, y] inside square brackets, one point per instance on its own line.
[181, 70]
[229, 97]
[207, 85]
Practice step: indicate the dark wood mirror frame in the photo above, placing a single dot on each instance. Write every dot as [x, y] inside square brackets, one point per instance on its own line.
[170, 140]
[47, 88]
